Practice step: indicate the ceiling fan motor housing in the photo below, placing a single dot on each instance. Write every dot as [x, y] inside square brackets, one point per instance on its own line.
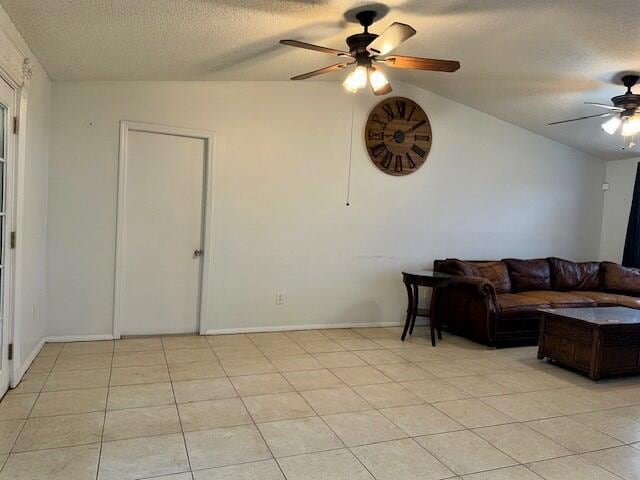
[358, 44]
[630, 101]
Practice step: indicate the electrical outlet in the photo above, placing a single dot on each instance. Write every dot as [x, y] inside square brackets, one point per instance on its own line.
[279, 298]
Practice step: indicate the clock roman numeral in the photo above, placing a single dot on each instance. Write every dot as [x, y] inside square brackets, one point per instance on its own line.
[411, 113]
[375, 135]
[401, 105]
[418, 150]
[375, 118]
[388, 109]
[412, 164]
[378, 149]
[386, 161]
[398, 167]
[422, 138]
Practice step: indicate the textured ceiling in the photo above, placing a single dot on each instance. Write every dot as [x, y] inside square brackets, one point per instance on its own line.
[526, 62]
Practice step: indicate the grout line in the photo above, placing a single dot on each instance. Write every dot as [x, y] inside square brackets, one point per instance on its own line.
[175, 404]
[323, 420]
[104, 418]
[251, 416]
[30, 410]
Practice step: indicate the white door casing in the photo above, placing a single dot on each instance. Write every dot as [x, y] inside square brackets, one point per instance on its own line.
[16, 70]
[7, 225]
[165, 207]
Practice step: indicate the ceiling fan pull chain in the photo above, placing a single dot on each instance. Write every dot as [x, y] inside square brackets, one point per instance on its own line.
[353, 101]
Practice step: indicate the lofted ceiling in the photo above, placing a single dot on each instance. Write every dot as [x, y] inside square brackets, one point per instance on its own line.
[526, 62]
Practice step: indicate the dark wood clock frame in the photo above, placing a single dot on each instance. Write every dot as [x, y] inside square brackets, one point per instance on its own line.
[398, 136]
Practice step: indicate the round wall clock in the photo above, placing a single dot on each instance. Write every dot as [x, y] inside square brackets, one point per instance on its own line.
[398, 136]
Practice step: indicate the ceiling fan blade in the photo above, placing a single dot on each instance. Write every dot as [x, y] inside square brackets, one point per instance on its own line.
[417, 63]
[310, 46]
[391, 38]
[602, 105]
[584, 118]
[321, 71]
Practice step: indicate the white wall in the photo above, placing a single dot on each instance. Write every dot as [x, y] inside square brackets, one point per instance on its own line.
[31, 247]
[488, 190]
[621, 176]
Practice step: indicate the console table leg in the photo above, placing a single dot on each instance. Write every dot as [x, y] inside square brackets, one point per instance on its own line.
[407, 322]
[415, 309]
[432, 318]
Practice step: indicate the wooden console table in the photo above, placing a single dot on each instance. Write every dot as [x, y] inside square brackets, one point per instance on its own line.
[422, 278]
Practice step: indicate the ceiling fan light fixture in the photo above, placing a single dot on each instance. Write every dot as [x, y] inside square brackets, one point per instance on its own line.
[631, 126]
[378, 81]
[356, 80]
[612, 125]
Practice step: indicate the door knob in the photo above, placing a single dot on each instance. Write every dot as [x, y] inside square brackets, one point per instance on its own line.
[197, 253]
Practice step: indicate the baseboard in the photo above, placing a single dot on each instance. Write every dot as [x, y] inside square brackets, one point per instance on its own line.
[318, 326]
[226, 331]
[78, 338]
[27, 363]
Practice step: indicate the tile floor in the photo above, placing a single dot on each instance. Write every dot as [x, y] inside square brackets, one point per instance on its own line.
[313, 405]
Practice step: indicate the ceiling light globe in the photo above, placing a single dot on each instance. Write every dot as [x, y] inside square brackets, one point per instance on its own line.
[356, 79]
[377, 80]
[631, 126]
[611, 126]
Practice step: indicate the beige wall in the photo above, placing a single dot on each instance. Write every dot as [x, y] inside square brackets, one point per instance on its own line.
[488, 190]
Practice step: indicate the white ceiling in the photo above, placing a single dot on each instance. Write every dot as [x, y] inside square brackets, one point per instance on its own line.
[528, 62]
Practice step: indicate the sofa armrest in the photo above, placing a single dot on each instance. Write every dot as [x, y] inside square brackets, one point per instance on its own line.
[469, 306]
[478, 285]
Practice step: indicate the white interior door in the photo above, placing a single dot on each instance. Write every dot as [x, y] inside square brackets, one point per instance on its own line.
[7, 254]
[160, 261]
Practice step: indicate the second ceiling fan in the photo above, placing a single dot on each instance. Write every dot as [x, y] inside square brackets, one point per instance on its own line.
[367, 51]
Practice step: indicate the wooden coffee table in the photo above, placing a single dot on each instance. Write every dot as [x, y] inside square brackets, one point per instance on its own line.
[600, 341]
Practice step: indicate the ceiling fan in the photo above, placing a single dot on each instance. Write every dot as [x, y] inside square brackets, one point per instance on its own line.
[625, 111]
[367, 49]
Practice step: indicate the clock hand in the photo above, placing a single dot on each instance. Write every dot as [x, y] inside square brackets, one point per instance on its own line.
[417, 125]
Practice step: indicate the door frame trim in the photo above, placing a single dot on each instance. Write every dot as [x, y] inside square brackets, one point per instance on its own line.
[208, 197]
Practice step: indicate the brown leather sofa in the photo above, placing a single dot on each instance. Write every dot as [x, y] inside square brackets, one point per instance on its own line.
[496, 302]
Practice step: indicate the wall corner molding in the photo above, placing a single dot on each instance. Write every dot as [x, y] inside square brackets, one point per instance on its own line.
[27, 70]
[13, 63]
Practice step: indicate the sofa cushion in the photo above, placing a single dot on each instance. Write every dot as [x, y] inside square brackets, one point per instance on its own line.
[518, 304]
[529, 274]
[453, 266]
[567, 275]
[607, 298]
[497, 273]
[561, 299]
[616, 278]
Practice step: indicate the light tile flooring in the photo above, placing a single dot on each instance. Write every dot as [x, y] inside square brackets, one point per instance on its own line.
[313, 405]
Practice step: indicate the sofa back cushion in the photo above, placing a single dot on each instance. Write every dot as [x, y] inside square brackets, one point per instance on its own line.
[453, 266]
[567, 275]
[616, 278]
[529, 274]
[496, 272]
